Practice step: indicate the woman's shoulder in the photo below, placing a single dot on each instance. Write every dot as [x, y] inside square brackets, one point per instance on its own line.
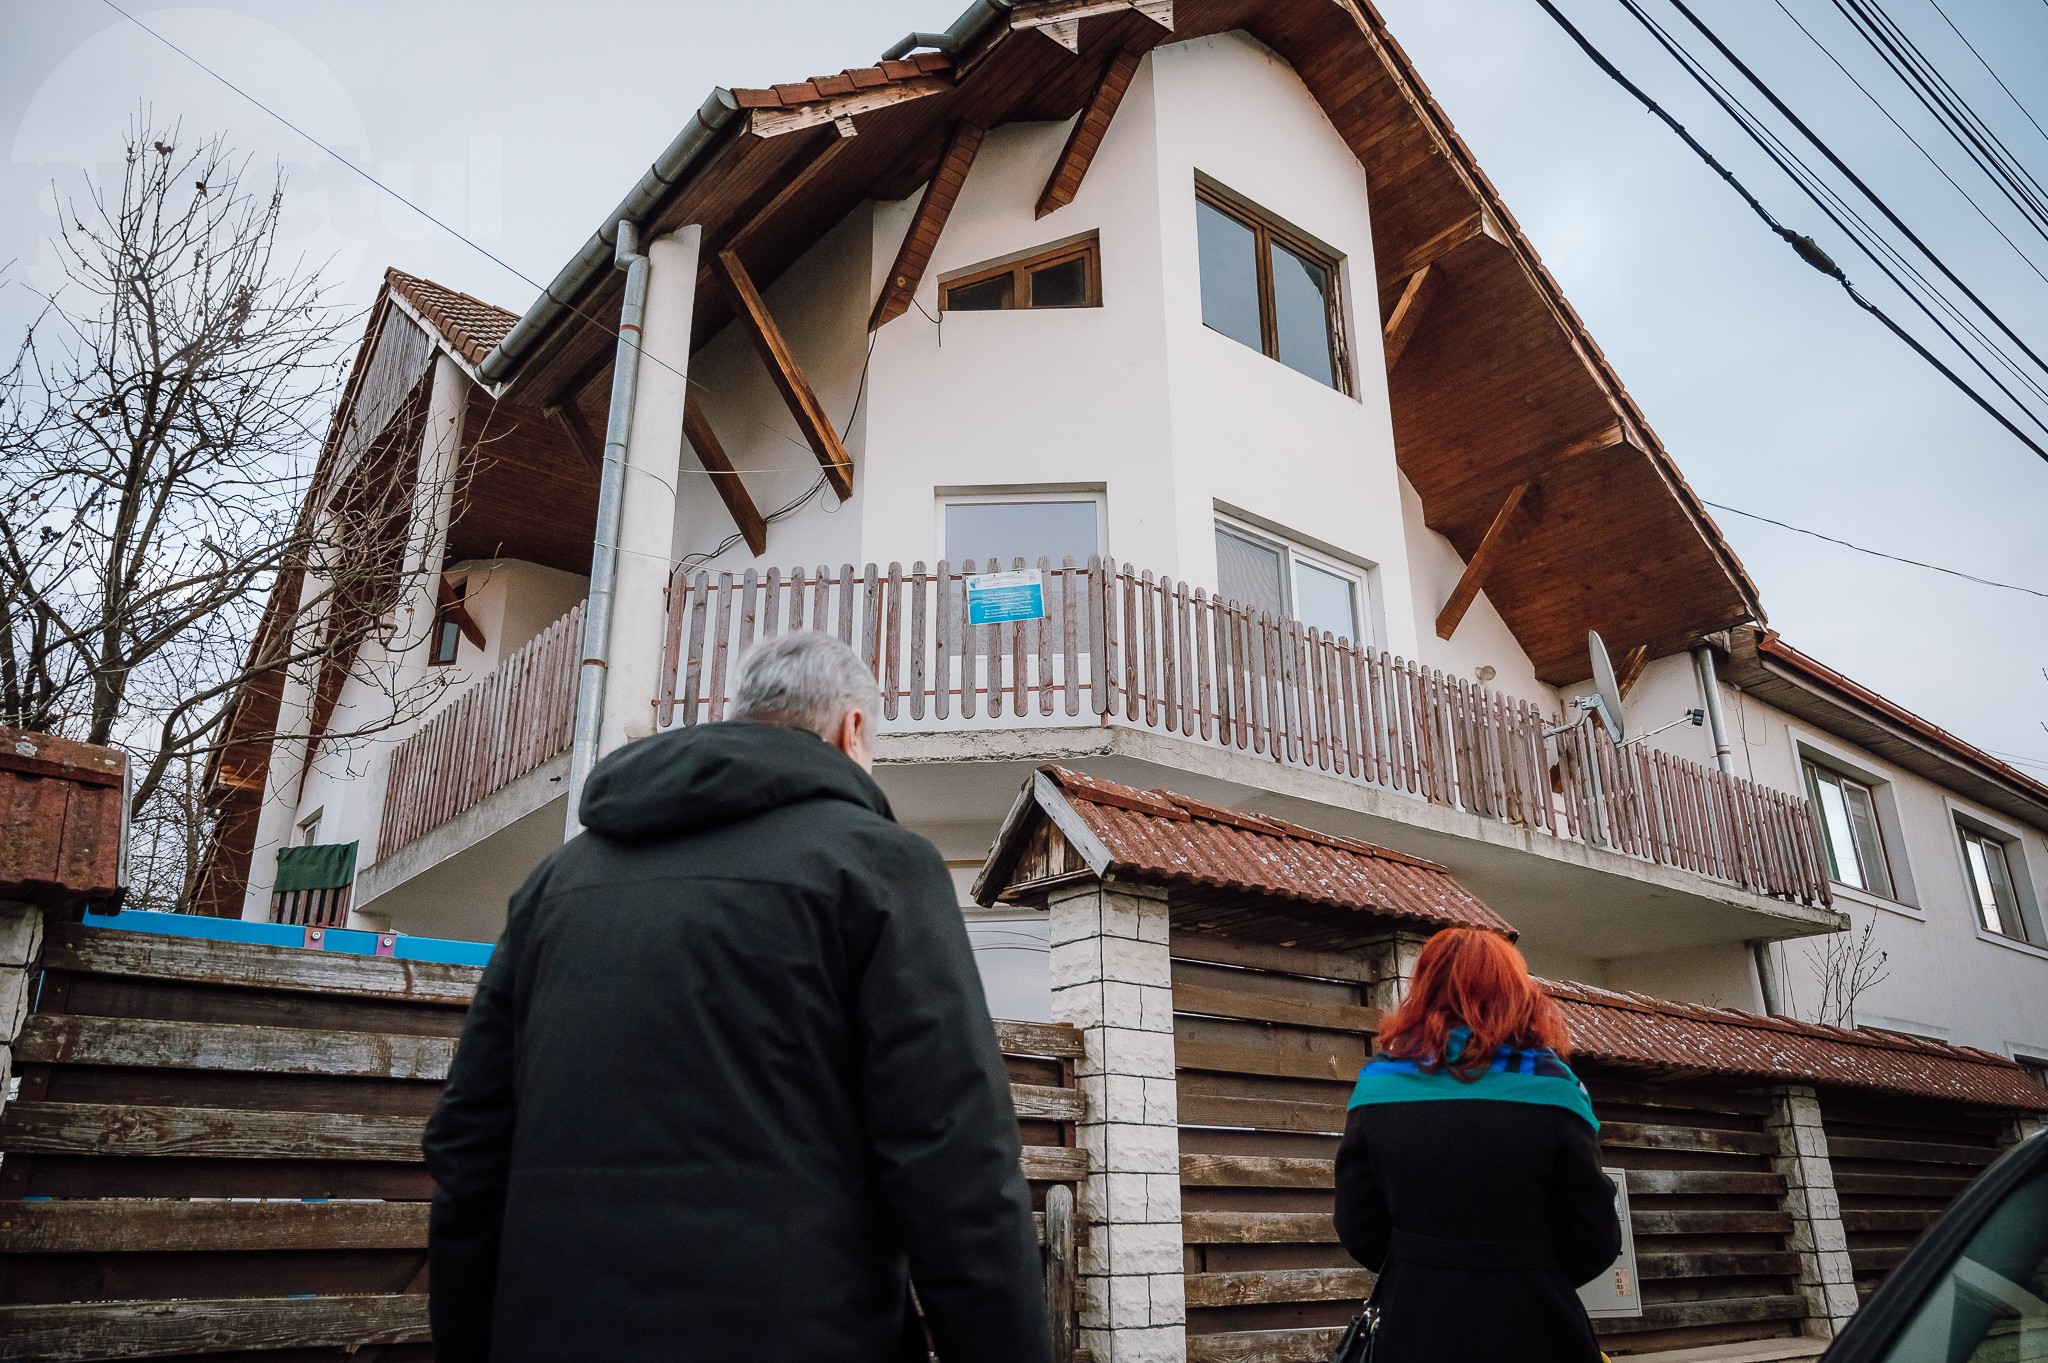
[1534, 1077]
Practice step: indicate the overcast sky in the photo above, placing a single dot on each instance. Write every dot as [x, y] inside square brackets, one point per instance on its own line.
[522, 124]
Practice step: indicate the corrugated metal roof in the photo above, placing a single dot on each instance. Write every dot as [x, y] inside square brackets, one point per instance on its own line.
[845, 83]
[471, 326]
[1636, 1029]
[1155, 836]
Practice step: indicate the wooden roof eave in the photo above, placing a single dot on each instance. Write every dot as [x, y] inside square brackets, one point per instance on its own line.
[1454, 156]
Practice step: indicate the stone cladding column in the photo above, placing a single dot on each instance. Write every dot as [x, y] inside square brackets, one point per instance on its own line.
[1112, 978]
[1825, 1278]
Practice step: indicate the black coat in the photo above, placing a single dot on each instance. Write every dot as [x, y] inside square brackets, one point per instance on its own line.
[1475, 1173]
[728, 1081]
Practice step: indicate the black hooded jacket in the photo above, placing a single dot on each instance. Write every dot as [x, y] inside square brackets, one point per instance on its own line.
[729, 1080]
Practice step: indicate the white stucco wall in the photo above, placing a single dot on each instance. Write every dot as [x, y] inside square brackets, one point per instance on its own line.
[1948, 977]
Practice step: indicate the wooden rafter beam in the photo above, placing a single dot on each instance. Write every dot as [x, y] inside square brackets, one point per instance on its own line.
[579, 435]
[1472, 227]
[782, 122]
[457, 609]
[1408, 310]
[711, 454]
[751, 311]
[922, 239]
[1480, 564]
[1632, 669]
[1457, 503]
[774, 205]
[1060, 20]
[1089, 129]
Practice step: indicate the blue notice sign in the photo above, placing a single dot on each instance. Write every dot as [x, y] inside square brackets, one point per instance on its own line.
[998, 598]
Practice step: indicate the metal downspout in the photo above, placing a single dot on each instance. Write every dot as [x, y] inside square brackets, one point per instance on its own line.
[1710, 696]
[604, 551]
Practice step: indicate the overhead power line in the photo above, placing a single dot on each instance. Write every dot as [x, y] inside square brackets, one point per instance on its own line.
[1786, 111]
[1807, 249]
[1879, 553]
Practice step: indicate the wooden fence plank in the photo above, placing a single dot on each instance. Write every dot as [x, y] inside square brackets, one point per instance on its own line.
[1264, 1286]
[104, 951]
[61, 1039]
[168, 1225]
[1258, 1228]
[145, 1329]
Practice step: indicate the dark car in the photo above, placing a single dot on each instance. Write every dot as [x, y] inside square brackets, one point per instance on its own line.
[1975, 1289]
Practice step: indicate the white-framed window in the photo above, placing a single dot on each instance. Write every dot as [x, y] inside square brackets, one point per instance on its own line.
[1009, 525]
[309, 827]
[1849, 830]
[1268, 572]
[1993, 880]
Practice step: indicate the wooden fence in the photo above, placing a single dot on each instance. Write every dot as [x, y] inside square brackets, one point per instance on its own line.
[1267, 1043]
[1898, 1164]
[216, 1150]
[1121, 646]
[497, 731]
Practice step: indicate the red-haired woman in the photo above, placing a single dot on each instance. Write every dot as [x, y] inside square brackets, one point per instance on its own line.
[1469, 1177]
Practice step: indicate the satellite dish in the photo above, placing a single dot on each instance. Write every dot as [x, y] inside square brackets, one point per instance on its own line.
[1606, 700]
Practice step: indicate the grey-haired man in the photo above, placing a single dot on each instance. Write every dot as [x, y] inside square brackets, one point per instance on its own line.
[729, 1083]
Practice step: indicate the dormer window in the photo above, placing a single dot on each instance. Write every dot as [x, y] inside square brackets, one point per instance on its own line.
[1067, 276]
[1269, 287]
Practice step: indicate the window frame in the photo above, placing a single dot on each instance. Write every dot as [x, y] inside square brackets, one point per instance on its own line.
[1968, 831]
[1266, 230]
[1088, 249]
[1292, 551]
[1813, 772]
[1065, 494]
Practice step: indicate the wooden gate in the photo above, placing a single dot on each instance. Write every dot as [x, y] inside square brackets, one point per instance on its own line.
[215, 1149]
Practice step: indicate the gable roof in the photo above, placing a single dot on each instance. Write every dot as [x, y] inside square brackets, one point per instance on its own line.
[470, 327]
[1767, 667]
[1638, 1031]
[1500, 385]
[1223, 862]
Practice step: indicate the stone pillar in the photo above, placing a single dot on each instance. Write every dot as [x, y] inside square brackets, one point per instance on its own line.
[1825, 1278]
[1112, 978]
[2020, 1126]
[1393, 962]
[21, 947]
[647, 521]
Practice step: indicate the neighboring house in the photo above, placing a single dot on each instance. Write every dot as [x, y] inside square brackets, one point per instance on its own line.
[1209, 304]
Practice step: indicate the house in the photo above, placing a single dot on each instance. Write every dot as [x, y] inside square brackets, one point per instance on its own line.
[1203, 311]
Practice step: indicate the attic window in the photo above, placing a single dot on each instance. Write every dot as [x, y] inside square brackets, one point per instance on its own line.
[1068, 276]
[1269, 288]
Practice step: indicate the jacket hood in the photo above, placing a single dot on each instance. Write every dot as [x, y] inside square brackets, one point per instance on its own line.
[705, 775]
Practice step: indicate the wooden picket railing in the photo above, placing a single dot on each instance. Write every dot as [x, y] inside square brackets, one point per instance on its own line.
[1122, 646]
[497, 731]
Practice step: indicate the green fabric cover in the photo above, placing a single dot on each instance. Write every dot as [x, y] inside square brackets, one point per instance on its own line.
[323, 866]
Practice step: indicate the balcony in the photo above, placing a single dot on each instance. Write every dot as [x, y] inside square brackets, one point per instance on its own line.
[1136, 657]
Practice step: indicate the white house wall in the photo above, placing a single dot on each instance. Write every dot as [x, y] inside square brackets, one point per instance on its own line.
[1947, 977]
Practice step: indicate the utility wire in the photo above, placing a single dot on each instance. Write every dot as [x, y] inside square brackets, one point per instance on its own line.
[1848, 173]
[502, 263]
[1924, 81]
[1806, 248]
[1862, 235]
[1988, 68]
[1940, 169]
[1879, 553]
